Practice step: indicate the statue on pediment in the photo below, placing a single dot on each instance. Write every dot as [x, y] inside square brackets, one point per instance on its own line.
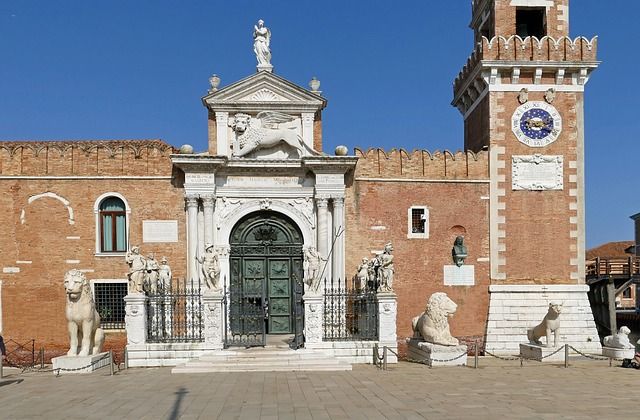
[261, 44]
[269, 130]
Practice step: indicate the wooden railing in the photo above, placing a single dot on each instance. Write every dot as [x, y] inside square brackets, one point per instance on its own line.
[600, 267]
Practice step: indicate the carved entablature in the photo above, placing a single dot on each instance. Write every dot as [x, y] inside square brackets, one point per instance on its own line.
[264, 116]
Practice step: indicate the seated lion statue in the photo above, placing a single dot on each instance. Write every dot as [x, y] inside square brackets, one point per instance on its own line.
[433, 324]
[550, 324]
[83, 320]
[620, 340]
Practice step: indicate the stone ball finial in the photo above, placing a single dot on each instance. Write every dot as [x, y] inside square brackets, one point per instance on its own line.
[341, 150]
[186, 149]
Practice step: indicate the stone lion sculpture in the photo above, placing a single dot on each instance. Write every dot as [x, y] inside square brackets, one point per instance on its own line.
[85, 335]
[550, 324]
[249, 138]
[620, 340]
[433, 324]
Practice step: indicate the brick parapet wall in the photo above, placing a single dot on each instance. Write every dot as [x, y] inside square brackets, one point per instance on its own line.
[86, 158]
[377, 212]
[421, 164]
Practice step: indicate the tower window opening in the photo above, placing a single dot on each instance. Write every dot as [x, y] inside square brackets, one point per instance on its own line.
[531, 21]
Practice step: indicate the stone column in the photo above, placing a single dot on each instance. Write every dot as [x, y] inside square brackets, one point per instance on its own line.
[135, 318]
[338, 249]
[313, 320]
[192, 236]
[213, 321]
[207, 205]
[387, 311]
[323, 232]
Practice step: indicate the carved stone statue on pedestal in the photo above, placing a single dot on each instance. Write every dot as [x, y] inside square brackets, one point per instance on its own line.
[550, 324]
[151, 274]
[83, 321]
[619, 340]
[312, 270]
[362, 275]
[433, 324]
[210, 268]
[386, 269]
[262, 45]
[137, 267]
[164, 274]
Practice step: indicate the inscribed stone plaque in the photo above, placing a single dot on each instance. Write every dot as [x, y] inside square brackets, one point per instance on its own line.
[537, 172]
[159, 231]
[199, 178]
[459, 276]
[330, 179]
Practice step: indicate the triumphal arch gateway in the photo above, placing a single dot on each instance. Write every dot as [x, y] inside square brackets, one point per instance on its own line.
[266, 237]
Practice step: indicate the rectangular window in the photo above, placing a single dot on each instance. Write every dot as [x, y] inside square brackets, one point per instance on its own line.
[109, 298]
[113, 233]
[531, 21]
[418, 222]
[626, 294]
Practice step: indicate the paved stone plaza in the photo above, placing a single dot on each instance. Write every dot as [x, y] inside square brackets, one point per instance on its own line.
[499, 389]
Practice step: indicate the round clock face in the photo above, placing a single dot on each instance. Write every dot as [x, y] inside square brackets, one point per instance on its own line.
[536, 124]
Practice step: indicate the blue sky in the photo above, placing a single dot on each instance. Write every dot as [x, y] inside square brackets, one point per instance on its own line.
[137, 69]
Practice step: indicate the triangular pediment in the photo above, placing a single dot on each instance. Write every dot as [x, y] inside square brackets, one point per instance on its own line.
[264, 89]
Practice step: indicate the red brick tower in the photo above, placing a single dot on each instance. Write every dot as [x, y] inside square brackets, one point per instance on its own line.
[521, 94]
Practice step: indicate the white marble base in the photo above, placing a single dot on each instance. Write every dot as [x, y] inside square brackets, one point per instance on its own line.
[459, 276]
[75, 362]
[615, 353]
[436, 355]
[541, 353]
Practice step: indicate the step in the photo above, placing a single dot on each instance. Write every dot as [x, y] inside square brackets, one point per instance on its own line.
[291, 368]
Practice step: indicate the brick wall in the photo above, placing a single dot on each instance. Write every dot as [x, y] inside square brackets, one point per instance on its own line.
[43, 242]
[376, 213]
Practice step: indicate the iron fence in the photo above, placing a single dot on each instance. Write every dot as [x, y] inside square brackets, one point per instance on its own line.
[175, 313]
[350, 314]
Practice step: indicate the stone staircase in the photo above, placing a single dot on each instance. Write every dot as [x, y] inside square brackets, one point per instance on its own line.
[259, 359]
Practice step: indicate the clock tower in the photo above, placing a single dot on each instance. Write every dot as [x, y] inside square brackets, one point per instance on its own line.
[521, 95]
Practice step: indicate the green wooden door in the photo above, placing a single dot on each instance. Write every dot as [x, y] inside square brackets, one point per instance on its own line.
[266, 253]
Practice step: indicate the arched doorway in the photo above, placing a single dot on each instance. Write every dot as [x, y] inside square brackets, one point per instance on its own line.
[265, 287]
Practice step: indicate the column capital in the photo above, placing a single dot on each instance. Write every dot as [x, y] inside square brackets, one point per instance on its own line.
[338, 201]
[208, 201]
[322, 202]
[222, 117]
[191, 200]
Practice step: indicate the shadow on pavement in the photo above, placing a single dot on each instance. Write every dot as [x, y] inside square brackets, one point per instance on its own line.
[180, 393]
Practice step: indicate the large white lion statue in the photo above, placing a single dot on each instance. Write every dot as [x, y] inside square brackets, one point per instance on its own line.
[620, 340]
[433, 324]
[83, 320]
[550, 324]
[269, 134]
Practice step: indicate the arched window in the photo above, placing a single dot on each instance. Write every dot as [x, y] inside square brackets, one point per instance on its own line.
[113, 225]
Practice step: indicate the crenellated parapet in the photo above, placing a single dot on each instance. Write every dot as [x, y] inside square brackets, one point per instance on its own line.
[562, 63]
[422, 164]
[86, 158]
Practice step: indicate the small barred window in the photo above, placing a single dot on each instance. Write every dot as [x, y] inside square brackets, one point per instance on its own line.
[417, 220]
[109, 298]
[418, 223]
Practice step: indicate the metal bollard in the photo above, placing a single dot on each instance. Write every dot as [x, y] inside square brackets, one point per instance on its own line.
[1, 366]
[566, 355]
[475, 358]
[41, 357]
[111, 361]
[384, 357]
[126, 358]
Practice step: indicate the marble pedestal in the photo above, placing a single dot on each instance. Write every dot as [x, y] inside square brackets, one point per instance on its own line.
[540, 353]
[77, 362]
[431, 354]
[616, 353]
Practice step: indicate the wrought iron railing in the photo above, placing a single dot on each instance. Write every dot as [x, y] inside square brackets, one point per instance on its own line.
[350, 314]
[175, 313]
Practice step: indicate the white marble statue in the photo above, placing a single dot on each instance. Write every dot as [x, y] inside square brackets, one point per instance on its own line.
[83, 321]
[164, 274]
[550, 324]
[386, 269]
[433, 324]
[362, 274]
[137, 266]
[210, 268]
[152, 271]
[620, 340]
[266, 134]
[261, 44]
[312, 269]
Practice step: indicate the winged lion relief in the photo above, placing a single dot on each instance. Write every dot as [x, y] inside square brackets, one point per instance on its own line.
[267, 130]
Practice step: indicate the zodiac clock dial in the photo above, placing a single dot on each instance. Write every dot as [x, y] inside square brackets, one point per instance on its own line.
[536, 124]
